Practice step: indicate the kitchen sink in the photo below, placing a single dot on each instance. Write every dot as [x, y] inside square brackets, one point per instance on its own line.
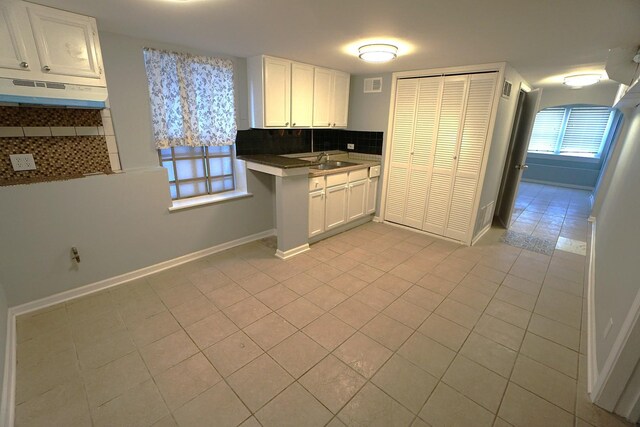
[332, 164]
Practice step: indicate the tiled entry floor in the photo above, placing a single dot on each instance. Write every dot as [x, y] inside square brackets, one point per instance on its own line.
[375, 326]
[546, 217]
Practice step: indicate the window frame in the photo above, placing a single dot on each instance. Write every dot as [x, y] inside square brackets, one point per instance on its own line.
[608, 134]
[207, 178]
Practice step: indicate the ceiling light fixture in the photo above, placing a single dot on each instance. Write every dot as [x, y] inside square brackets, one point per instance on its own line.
[578, 81]
[379, 52]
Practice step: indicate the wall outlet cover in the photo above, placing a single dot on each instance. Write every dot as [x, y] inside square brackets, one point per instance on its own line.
[351, 146]
[22, 162]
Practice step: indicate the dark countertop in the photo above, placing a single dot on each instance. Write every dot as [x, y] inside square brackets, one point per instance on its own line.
[277, 161]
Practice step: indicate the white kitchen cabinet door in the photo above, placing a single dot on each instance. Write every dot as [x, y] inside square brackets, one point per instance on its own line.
[372, 195]
[336, 206]
[340, 99]
[301, 95]
[277, 92]
[444, 159]
[66, 43]
[470, 154]
[322, 79]
[357, 199]
[13, 54]
[316, 213]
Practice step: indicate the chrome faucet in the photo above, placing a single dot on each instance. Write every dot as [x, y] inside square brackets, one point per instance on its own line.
[321, 155]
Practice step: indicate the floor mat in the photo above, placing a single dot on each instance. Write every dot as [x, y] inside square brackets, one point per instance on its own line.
[529, 242]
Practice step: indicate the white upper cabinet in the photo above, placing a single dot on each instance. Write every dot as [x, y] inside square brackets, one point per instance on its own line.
[330, 98]
[52, 45]
[287, 94]
[13, 54]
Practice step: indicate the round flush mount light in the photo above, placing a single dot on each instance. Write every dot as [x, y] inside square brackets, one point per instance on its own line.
[377, 53]
[578, 81]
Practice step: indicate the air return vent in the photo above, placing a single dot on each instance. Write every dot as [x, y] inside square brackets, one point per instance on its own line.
[373, 85]
[506, 89]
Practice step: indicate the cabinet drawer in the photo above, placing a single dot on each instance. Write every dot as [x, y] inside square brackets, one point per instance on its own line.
[336, 179]
[316, 183]
[357, 175]
[374, 171]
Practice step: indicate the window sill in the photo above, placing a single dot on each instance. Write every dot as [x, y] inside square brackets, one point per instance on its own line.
[577, 159]
[193, 202]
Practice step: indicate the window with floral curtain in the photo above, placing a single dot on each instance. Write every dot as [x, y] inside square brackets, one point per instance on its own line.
[193, 119]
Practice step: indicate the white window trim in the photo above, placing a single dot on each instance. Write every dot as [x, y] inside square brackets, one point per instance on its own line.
[240, 177]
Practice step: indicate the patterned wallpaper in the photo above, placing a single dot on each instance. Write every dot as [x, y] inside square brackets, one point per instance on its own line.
[66, 143]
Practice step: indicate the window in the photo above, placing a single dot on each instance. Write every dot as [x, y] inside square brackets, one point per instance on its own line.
[193, 118]
[197, 171]
[580, 131]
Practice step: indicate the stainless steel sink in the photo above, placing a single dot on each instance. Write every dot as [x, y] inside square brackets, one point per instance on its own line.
[332, 164]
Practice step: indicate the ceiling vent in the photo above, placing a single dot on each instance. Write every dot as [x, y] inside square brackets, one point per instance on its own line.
[373, 85]
[506, 89]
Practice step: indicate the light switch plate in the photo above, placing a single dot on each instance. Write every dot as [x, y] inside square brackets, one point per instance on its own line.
[351, 146]
[22, 162]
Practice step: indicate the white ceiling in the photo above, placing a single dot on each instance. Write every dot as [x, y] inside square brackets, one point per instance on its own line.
[540, 38]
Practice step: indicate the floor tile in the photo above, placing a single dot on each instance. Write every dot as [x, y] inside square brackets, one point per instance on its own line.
[424, 298]
[354, 313]
[52, 371]
[101, 352]
[232, 353]
[508, 313]
[217, 406]
[326, 297]
[277, 296]
[332, 382]
[153, 328]
[348, 284]
[406, 313]
[489, 354]
[405, 382]
[459, 313]
[372, 407]
[64, 405]
[387, 331]
[210, 330]
[193, 310]
[363, 354]
[555, 331]
[469, 297]
[302, 283]
[427, 354]
[329, 331]
[246, 312]
[300, 312]
[269, 331]
[545, 382]
[294, 407]
[436, 284]
[186, 380]
[259, 381]
[167, 352]
[500, 331]
[227, 296]
[297, 354]
[141, 405]
[392, 284]
[476, 382]
[447, 407]
[551, 354]
[522, 408]
[444, 331]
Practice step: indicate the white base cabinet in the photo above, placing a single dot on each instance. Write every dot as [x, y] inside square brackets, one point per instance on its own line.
[336, 199]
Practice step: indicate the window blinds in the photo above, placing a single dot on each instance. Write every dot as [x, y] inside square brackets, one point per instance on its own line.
[546, 130]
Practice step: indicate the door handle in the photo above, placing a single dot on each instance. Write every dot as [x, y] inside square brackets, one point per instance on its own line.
[523, 167]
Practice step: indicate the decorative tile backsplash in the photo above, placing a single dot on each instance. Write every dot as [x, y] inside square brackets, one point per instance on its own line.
[66, 143]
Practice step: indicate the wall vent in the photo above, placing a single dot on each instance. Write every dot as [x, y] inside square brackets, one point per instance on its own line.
[506, 89]
[373, 85]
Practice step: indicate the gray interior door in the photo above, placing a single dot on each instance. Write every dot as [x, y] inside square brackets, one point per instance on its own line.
[517, 157]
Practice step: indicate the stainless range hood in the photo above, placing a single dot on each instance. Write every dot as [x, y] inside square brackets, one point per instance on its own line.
[22, 91]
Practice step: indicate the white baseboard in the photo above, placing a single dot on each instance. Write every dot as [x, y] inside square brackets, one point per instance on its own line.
[482, 233]
[292, 252]
[592, 363]
[377, 219]
[558, 184]
[7, 407]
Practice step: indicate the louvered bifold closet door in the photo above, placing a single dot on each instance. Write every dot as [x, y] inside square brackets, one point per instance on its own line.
[401, 141]
[427, 112]
[475, 126]
[448, 135]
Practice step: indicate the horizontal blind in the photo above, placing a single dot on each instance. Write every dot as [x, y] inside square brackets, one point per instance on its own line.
[546, 130]
[585, 131]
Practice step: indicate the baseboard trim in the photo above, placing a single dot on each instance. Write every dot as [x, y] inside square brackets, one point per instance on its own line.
[592, 363]
[7, 407]
[558, 184]
[292, 252]
[484, 231]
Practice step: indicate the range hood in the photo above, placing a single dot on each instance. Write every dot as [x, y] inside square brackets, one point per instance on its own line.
[50, 93]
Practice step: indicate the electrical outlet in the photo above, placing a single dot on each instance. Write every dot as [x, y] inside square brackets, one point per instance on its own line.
[351, 146]
[22, 162]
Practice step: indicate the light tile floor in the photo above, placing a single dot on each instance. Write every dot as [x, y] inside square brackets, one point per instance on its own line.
[375, 326]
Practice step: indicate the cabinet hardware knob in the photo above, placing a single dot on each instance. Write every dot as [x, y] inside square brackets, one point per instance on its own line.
[455, 157]
[46, 68]
[24, 64]
[293, 124]
[334, 125]
[286, 124]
